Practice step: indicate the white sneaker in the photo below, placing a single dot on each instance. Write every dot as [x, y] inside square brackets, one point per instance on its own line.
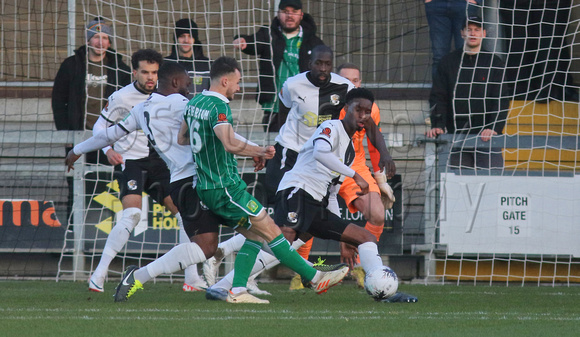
[211, 267]
[329, 279]
[97, 284]
[198, 285]
[253, 289]
[244, 297]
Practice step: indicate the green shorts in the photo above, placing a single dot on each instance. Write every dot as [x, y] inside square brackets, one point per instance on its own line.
[233, 204]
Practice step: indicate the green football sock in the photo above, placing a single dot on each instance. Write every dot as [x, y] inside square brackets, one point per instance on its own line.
[290, 258]
[245, 262]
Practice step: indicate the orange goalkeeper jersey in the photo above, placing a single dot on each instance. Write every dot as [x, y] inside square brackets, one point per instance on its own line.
[357, 142]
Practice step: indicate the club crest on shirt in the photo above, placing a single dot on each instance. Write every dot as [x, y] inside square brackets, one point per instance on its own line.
[326, 132]
[292, 217]
[335, 99]
[222, 117]
[132, 185]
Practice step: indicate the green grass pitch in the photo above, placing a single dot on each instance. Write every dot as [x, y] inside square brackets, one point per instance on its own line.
[45, 308]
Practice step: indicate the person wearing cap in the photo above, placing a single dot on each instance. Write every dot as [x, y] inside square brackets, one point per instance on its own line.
[468, 97]
[292, 36]
[85, 80]
[187, 50]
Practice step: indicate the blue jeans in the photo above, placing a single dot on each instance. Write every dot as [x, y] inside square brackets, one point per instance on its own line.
[446, 19]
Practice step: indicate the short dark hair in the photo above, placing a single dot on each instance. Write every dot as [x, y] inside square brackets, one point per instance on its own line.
[169, 70]
[149, 55]
[222, 66]
[321, 48]
[359, 93]
[347, 66]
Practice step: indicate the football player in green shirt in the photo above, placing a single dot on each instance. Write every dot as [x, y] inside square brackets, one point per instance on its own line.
[207, 127]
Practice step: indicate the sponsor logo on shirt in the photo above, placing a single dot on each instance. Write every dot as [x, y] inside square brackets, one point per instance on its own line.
[326, 132]
[252, 206]
[222, 117]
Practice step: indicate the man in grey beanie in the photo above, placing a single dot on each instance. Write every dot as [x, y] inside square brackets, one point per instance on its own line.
[82, 85]
[86, 79]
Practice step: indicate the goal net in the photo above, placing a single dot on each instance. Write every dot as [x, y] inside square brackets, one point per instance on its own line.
[506, 205]
[452, 221]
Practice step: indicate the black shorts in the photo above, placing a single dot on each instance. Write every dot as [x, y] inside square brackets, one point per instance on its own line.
[297, 209]
[146, 174]
[283, 161]
[197, 218]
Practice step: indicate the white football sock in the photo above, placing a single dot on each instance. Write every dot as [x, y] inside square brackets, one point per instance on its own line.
[178, 258]
[369, 256]
[191, 275]
[232, 244]
[117, 238]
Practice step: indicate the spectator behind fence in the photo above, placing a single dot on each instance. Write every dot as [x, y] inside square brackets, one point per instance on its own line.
[85, 80]
[292, 36]
[446, 19]
[468, 97]
[538, 58]
[188, 52]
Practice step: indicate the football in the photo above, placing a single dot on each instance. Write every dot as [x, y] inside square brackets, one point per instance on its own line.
[381, 283]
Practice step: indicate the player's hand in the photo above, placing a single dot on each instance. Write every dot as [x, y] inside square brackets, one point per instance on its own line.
[70, 159]
[486, 134]
[434, 132]
[387, 195]
[348, 254]
[362, 183]
[114, 158]
[240, 43]
[259, 163]
[387, 165]
[269, 152]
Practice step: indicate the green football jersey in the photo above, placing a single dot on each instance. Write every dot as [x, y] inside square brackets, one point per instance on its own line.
[216, 168]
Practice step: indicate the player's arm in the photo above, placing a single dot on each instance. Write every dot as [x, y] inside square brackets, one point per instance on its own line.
[99, 140]
[282, 114]
[236, 144]
[322, 152]
[113, 157]
[284, 104]
[374, 135]
[183, 135]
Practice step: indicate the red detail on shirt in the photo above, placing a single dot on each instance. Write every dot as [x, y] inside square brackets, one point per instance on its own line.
[326, 132]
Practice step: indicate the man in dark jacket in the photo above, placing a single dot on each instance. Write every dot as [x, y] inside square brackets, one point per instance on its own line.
[292, 36]
[188, 52]
[80, 93]
[69, 95]
[469, 97]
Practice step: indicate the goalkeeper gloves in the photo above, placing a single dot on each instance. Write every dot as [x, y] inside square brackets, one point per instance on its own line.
[387, 195]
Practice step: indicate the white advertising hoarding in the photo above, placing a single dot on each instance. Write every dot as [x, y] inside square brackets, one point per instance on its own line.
[510, 215]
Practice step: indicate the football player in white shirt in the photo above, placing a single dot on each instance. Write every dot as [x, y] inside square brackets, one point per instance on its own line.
[159, 118]
[302, 195]
[133, 154]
